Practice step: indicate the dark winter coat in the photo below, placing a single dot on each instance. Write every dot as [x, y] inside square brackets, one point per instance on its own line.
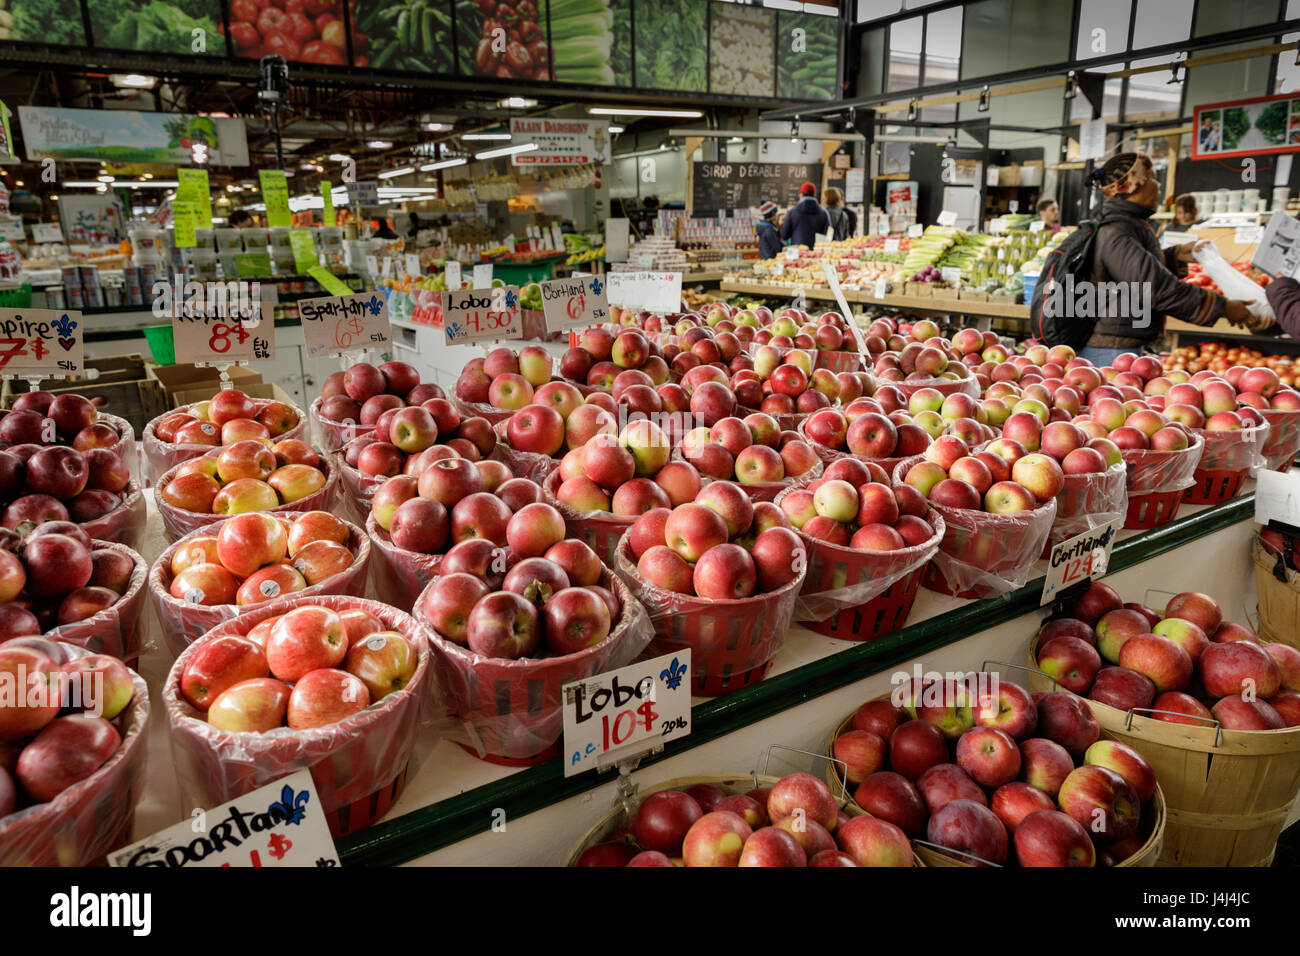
[1284, 296]
[1127, 251]
[769, 240]
[804, 221]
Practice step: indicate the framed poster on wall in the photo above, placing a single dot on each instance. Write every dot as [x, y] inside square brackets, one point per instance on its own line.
[1265, 124]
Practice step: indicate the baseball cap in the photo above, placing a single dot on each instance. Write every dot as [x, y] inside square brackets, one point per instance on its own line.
[807, 189]
[766, 208]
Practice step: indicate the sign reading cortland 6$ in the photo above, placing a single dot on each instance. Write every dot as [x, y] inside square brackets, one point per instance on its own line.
[560, 142]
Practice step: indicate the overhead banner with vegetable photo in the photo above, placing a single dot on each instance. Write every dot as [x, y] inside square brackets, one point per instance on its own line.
[591, 42]
[408, 35]
[123, 136]
[669, 51]
[505, 40]
[1266, 124]
[807, 56]
[48, 22]
[159, 26]
[740, 50]
[304, 31]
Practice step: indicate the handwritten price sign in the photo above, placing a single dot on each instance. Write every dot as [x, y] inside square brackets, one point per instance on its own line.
[345, 323]
[219, 332]
[476, 315]
[41, 342]
[1081, 558]
[629, 711]
[577, 303]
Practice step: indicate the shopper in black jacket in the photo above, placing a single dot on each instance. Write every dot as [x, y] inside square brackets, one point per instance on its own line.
[769, 239]
[1129, 260]
[806, 219]
[1284, 296]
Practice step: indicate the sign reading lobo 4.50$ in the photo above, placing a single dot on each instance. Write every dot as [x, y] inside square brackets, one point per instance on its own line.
[344, 323]
[476, 315]
[626, 712]
[44, 342]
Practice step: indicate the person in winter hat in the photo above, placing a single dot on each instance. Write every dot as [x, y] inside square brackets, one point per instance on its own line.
[806, 219]
[769, 239]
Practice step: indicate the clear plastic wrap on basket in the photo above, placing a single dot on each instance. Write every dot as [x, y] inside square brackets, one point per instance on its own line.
[184, 623]
[941, 385]
[601, 530]
[786, 421]
[399, 575]
[762, 490]
[1089, 501]
[1229, 458]
[177, 522]
[983, 554]
[330, 436]
[1157, 481]
[1283, 443]
[161, 456]
[479, 410]
[510, 711]
[522, 464]
[356, 487]
[841, 579]
[359, 765]
[114, 631]
[125, 524]
[732, 642]
[91, 818]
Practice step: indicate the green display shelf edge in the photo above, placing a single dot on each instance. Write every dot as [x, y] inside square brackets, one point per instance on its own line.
[430, 828]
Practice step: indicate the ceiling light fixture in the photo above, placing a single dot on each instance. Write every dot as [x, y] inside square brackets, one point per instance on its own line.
[516, 103]
[444, 164]
[400, 171]
[339, 157]
[632, 111]
[132, 81]
[485, 136]
[380, 144]
[436, 127]
[505, 151]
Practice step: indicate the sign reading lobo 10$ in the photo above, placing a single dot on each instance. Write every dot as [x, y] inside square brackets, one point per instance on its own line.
[336, 324]
[626, 712]
[41, 342]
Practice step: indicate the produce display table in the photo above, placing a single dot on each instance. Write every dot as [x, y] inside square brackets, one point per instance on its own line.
[913, 303]
[1184, 333]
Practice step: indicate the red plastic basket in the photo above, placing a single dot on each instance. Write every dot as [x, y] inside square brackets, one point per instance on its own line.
[1225, 464]
[732, 643]
[1283, 442]
[358, 488]
[839, 361]
[90, 819]
[1156, 481]
[358, 764]
[601, 532]
[1085, 501]
[400, 575]
[510, 711]
[125, 524]
[1152, 509]
[114, 631]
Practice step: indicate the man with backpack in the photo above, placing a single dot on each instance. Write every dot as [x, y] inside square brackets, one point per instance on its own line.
[1106, 288]
[806, 219]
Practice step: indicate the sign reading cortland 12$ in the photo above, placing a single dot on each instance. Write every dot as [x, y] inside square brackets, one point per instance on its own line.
[280, 824]
[626, 712]
[44, 343]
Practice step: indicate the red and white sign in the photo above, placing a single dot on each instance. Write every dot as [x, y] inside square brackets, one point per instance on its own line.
[560, 142]
[1264, 124]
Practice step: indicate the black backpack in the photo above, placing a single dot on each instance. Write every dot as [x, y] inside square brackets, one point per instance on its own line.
[1072, 257]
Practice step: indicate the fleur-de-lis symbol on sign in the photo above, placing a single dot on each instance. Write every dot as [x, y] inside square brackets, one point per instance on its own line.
[64, 326]
[291, 806]
[596, 285]
[511, 299]
[673, 674]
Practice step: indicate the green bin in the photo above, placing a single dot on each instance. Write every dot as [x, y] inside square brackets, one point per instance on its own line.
[162, 343]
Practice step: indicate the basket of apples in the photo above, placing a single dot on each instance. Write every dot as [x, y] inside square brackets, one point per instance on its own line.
[1216, 712]
[1277, 584]
[604, 485]
[980, 772]
[1094, 486]
[351, 401]
[404, 441]
[77, 743]
[509, 627]
[741, 820]
[1280, 407]
[72, 420]
[558, 420]
[605, 352]
[55, 580]
[926, 361]
[719, 575]
[863, 431]
[868, 545]
[246, 476]
[330, 683]
[994, 531]
[216, 571]
[753, 452]
[228, 417]
[92, 488]
[413, 521]
[789, 388]
[498, 385]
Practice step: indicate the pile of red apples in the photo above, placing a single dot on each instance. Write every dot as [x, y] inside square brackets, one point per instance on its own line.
[626, 474]
[42, 418]
[795, 822]
[750, 450]
[999, 480]
[309, 667]
[228, 417]
[256, 557]
[1001, 776]
[361, 393]
[58, 483]
[853, 506]
[250, 475]
[1188, 664]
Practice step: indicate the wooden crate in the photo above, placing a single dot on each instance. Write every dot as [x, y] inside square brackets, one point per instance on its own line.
[123, 382]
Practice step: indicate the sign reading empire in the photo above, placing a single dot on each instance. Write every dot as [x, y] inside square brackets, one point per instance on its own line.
[560, 142]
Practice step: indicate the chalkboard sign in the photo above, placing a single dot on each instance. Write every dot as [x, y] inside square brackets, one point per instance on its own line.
[727, 186]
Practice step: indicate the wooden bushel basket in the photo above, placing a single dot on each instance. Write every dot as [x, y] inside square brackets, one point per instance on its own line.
[1279, 600]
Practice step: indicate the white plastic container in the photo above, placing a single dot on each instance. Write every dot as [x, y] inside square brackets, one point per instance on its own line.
[148, 246]
[280, 238]
[256, 238]
[229, 240]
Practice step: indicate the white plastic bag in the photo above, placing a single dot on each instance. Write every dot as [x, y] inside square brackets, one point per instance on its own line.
[1233, 284]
